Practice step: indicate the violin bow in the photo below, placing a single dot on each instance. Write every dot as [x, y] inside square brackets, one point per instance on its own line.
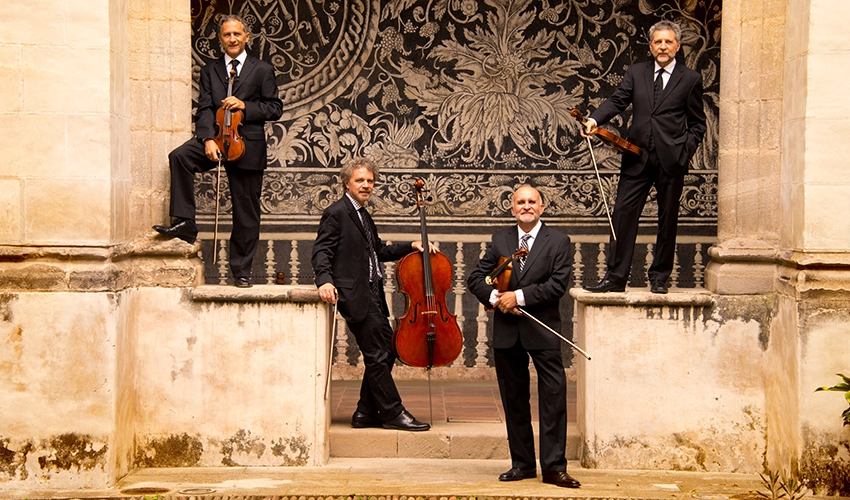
[601, 191]
[217, 194]
[331, 348]
[551, 330]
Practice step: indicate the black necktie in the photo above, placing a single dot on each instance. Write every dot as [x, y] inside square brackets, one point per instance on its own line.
[524, 244]
[374, 274]
[233, 64]
[657, 87]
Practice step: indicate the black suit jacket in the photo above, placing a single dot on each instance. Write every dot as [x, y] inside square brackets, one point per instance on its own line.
[543, 280]
[341, 257]
[677, 120]
[256, 87]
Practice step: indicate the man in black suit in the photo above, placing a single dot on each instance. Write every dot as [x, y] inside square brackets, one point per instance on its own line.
[255, 94]
[537, 284]
[668, 123]
[346, 259]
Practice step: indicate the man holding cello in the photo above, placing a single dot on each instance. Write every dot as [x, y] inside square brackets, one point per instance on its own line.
[541, 267]
[346, 259]
[250, 99]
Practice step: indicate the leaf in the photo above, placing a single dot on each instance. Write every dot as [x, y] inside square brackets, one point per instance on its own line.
[320, 156]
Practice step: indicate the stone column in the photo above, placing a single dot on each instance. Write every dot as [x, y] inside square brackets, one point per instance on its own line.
[813, 308]
[784, 224]
[751, 94]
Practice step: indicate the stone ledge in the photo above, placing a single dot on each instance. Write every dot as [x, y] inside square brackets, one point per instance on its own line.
[257, 293]
[676, 297]
[11, 253]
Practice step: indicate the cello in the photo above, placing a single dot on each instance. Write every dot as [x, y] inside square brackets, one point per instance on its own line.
[427, 335]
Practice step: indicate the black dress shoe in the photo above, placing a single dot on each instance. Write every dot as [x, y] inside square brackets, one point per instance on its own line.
[405, 422]
[517, 474]
[361, 420]
[560, 478]
[605, 285]
[657, 286]
[242, 282]
[184, 229]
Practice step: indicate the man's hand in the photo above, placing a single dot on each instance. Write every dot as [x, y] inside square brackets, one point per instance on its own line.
[506, 302]
[417, 245]
[327, 293]
[590, 128]
[233, 103]
[211, 150]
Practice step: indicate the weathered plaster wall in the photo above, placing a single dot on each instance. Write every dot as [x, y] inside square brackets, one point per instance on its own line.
[58, 364]
[822, 314]
[229, 383]
[675, 382]
[95, 384]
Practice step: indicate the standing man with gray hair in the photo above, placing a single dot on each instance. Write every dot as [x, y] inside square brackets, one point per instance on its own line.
[346, 259]
[668, 124]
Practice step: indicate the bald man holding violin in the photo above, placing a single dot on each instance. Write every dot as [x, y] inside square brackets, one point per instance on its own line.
[668, 124]
[537, 283]
[253, 96]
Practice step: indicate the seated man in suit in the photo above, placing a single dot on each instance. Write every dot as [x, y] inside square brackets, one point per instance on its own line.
[255, 94]
[537, 284]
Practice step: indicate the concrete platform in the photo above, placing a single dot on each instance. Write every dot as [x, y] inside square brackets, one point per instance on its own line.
[402, 479]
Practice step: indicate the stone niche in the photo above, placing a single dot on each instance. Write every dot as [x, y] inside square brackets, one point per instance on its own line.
[95, 384]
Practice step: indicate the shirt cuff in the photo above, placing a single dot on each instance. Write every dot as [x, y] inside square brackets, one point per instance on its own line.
[520, 297]
[493, 297]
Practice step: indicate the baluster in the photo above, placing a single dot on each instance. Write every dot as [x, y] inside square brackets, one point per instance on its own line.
[294, 264]
[270, 264]
[698, 267]
[459, 289]
[601, 266]
[389, 286]
[482, 319]
[222, 262]
[674, 274]
[647, 260]
[578, 266]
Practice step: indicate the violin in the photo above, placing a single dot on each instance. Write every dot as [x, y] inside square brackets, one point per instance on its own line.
[427, 335]
[227, 122]
[611, 138]
[500, 278]
[501, 275]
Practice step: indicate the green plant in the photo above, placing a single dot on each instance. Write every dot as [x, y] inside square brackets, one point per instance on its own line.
[781, 488]
[841, 387]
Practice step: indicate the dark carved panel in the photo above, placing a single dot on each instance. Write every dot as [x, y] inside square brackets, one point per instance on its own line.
[472, 96]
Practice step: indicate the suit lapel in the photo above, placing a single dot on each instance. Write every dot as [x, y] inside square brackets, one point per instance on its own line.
[250, 64]
[221, 71]
[674, 80]
[648, 80]
[352, 213]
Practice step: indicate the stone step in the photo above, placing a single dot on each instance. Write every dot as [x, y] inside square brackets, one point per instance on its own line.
[455, 440]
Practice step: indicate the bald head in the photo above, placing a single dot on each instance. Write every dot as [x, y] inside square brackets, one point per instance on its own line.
[527, 207]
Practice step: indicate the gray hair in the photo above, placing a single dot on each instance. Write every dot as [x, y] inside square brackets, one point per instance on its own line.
[355, 163]
[666, 25]
[232, 17]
